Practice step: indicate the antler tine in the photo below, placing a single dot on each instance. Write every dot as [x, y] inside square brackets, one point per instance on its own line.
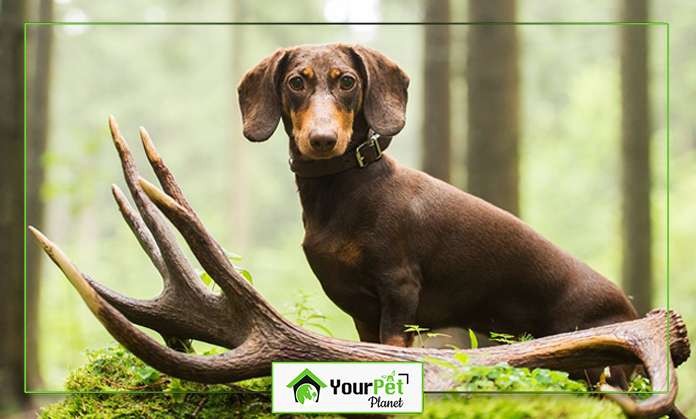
[211, 369]
[659, 404]
[182, 320]
[643, 340]
[140, 230]
[179, 269]
[164, 175]
[205, 248]
[74, 275]
[82, 281]
[650, 346]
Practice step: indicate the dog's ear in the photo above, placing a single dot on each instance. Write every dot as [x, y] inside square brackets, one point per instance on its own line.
[386, 91]
[258, 97]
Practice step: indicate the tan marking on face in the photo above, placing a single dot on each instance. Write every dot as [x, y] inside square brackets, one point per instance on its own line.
[300, 129]
[284, 103]
[335, 73]
[308, 72]
[305, 120]
[345, 120]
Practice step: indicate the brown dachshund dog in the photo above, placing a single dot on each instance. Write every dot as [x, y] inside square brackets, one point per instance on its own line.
[391, 245]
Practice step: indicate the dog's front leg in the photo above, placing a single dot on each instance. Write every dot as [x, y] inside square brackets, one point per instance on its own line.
[398, 295]
[368, 332]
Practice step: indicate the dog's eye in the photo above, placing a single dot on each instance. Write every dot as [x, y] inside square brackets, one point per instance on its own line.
[296, 83]
[347, 82]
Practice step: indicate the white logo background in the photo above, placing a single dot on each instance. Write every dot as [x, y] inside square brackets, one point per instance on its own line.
[402, 393]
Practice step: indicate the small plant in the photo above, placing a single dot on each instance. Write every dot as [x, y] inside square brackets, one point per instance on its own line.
[641, 385]
[208, 281]
[503, 377]
[304, 315]
[473, 339]
[509, 339]
[414, 328]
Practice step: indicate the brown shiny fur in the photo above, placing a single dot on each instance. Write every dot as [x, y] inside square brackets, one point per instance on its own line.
[393, 246]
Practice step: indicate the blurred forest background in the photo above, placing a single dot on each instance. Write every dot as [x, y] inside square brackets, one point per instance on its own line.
[564, 125]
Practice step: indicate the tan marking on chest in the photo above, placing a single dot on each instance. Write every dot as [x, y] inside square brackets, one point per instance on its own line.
[348, 252]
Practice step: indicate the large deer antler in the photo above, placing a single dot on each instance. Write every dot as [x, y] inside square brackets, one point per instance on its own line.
[256, 334]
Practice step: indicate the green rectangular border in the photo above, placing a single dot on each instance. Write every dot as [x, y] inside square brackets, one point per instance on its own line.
[27, 24]
[273, 364]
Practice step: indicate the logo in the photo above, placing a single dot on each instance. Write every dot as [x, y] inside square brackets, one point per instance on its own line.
[377, 389]
[347, 387]
[306, 387]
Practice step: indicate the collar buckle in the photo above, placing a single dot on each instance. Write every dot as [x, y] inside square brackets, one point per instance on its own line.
[373, 141]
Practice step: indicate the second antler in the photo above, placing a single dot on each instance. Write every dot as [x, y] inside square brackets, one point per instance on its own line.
[257, 335]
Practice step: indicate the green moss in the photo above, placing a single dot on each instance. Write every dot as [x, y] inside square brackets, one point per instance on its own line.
[145, 392]
[151, 394]
[520, 406]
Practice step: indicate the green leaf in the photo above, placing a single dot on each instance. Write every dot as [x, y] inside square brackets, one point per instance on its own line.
[147, 374]
[434, 335]
[319, 326]
[315, 315]
[246, 275]
[439, 362]
[415, 328]
[502, 337]
[474, 340]
[463, 358]
[176, 391]
[232, 256]
[304, 314]
[207, 280]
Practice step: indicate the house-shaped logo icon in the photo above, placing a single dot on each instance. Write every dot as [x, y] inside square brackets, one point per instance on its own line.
[306, 387]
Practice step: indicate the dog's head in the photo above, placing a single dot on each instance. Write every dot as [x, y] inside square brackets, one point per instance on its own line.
[322, 92]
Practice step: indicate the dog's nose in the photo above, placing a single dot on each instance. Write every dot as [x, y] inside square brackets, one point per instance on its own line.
[322, 140]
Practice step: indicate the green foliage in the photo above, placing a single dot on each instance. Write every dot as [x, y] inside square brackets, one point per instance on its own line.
[145, 392]
[474, 339]
[305, 315]
[508, 339]
[503, 377]
[414, 328]
[519, 406]
[641, 385]
[233, 257]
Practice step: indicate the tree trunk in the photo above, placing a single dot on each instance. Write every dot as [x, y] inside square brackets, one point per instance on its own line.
[12, 394]
[492, 79]
[436, 95]
[37, 129]
[637, 266]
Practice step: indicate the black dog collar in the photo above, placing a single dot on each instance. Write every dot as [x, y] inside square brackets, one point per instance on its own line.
[366, 153]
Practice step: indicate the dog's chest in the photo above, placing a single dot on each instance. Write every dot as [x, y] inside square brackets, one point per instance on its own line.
[331, 255]
[339, 265]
